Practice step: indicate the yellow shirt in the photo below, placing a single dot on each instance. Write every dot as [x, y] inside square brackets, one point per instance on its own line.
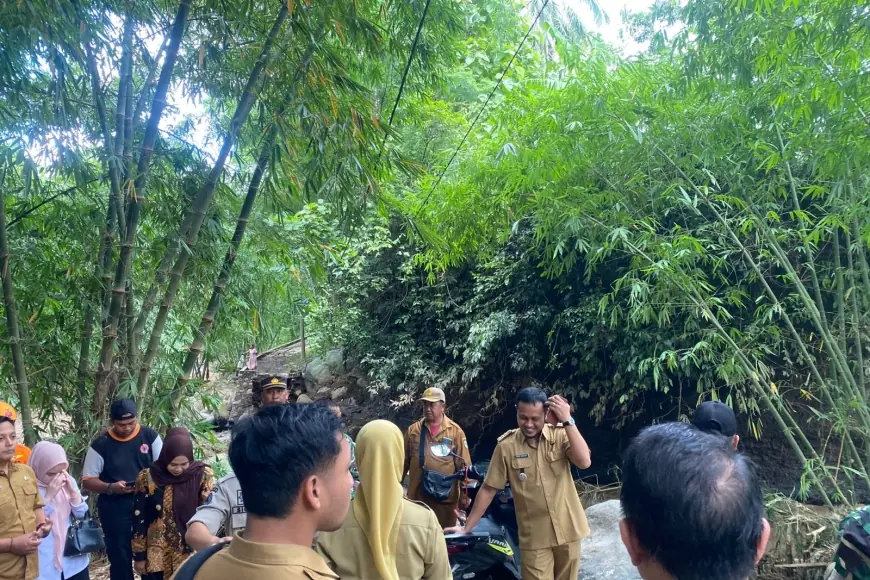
[446, 465]
[244, 559]
[549, 512]
[421, 552]
[19, 500]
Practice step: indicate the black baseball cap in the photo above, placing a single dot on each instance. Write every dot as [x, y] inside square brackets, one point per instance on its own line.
[715, 417]
[123, 409]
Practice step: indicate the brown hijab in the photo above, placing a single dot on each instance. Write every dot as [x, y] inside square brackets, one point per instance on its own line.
[185, 487]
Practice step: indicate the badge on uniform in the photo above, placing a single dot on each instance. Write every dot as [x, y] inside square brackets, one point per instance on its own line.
[523, 476]
[209, 498]
[522, 456]
[239, 499]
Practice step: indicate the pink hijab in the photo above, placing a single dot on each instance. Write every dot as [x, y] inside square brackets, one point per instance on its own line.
[44, 457]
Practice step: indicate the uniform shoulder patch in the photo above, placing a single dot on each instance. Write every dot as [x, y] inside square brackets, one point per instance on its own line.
[506, 434]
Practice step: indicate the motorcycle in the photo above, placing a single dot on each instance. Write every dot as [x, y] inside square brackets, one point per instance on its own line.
[490, 551]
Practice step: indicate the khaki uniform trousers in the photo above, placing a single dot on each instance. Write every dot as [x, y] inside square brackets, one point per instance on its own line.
[559, 563]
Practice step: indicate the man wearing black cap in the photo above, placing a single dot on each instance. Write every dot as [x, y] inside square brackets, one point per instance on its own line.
[112, 463]
[716, 417]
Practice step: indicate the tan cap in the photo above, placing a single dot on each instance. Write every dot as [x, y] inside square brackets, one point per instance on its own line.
[433, 395]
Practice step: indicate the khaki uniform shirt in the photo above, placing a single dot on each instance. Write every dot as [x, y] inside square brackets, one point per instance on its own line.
[549, 512]
[446, 465]
[19, 500]
[244, 559]
[224, 508]
[421, 552]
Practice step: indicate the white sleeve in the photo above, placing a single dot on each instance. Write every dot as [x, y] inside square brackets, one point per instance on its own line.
[93, 465]
[156, 446]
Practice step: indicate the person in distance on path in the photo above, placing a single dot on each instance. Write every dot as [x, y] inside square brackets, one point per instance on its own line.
[716, 417]
[535, 459]
[293, 464]
[693, 507]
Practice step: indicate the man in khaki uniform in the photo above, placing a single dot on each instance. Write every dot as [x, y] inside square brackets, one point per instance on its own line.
[445, 451]
[536, 460]
[293, 465]
[20, 510]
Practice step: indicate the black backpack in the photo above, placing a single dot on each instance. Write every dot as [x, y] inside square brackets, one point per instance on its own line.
[192, 565]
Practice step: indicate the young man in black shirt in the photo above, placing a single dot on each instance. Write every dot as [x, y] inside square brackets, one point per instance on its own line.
[112, 463]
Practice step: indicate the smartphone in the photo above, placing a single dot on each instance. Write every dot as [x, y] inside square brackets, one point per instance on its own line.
[39, 531]
[130, 485]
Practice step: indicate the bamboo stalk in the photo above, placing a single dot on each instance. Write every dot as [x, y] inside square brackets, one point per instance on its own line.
[856, 318]
[840, 296]
[211, 311]
[110, 330]
[196, 215]
[12, 328]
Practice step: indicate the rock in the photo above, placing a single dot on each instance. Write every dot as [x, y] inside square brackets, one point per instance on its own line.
[339, 393]
[315, 373]
[323, 392]
[602, 555]
[334, 359]
[362, 383]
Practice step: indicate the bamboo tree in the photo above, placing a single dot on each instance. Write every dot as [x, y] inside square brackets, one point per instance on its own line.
[198, 345]
[202, 201]
[12, 325]
[856, 317]
[110, 330]
[788, 426]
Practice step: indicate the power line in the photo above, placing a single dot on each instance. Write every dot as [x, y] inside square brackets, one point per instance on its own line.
[410, 59]
[405, 74]
[480, 112]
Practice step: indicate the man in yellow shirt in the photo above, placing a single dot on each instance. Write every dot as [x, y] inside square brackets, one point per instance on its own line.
[536, 460]
[22, 522]
[293, 465]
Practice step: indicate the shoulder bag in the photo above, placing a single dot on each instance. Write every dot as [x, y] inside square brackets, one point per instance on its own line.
[434, 484]
[83, 537]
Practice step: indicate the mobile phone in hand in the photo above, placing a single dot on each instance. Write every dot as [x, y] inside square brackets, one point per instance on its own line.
[130, 485]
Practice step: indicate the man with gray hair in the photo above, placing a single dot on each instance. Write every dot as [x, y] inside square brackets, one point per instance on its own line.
[692, 506]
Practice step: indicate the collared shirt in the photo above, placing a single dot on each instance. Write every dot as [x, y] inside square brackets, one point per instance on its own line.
[549, 512]
[19, 500]
[244, 559]
[420, 553]
[224, 509]
[447, 465]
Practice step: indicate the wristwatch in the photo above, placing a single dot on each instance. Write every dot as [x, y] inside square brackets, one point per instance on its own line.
[569, 423]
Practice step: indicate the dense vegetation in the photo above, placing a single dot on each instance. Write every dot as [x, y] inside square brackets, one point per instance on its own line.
[475, 193]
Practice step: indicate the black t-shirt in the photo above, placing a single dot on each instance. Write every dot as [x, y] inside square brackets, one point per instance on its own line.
[122, 460]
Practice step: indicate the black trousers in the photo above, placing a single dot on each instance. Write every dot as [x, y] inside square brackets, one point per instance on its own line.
[154, 576]
[116, 515]
[83, 575]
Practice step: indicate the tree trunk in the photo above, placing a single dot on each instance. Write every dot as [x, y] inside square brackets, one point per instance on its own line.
[223, 279]
[14, 334]
[196, 215]
[110, 330]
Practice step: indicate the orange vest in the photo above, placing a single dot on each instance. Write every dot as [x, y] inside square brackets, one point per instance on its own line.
[22, 454]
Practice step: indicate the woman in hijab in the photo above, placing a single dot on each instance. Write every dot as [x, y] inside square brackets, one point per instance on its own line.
[385, 535]
[167, 495]
[63, 501]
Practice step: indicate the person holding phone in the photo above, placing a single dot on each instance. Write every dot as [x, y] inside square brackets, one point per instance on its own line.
[22, 522]
[112, 463]
[167, 495]
[63, 501]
